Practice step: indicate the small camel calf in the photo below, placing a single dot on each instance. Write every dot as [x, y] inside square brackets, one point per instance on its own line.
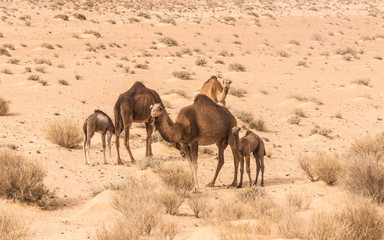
[98, 122]
[250, 143]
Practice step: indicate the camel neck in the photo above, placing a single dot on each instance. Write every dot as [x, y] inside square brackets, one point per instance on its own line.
[168, 130]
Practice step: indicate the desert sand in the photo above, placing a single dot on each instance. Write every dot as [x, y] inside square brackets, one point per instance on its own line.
[289, 49]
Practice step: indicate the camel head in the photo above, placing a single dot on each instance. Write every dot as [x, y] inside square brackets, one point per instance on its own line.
[236, 130]
[157, 109]
[227, 83]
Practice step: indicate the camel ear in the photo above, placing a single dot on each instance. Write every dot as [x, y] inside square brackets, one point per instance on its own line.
[230, 81]
[150, 107]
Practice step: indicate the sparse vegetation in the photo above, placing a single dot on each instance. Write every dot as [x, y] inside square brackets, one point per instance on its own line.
[248, 118]
[4, 107]
[294, 119]
[12, 224]
[168, 41]
[321, 131]
[182, 75]
[177, 178]
[361, 81]
[65, 133]
[22, 179]
[95, 33]
[201, 62]
[150, 162]
[63, 82]
[238, 92]
[237, 67]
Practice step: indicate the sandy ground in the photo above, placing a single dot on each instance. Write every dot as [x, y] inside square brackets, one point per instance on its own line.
[287, 47]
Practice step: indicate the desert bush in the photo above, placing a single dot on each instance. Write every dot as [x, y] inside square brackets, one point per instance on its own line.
[238, 92]
[201, 62]
[169, 41]
[321, 131]
[171, 201]
[6, 71]
[151, 162]
[198, 206]
[283, 53]
[12, 224]
[42, 61]
[22, 179]
[231, 210]
[96, 34]
[361, 81]
[34, 77]
[294, 42]
[250, 195]
[79, 16]
[167, 229]
[47, 45]
[294, 119]
[177, 178]
[298, 200]
[372, 146]
[4, 107]
[364, 175]
[299, 112]
[63, 82]
[291, 224]
[219, 61]
[248, 118]
[168, 20]
[40, 69]
[237, 67]
[4, 51]
[13, 61]
[182, 75]
[64, 133]
[62, 16]
[141, 65]
[321, 166]
[179, 91]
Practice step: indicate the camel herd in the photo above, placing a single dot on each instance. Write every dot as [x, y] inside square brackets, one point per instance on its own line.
[204, 122]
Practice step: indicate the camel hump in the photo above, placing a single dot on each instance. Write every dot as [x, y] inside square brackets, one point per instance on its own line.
[249, 132]
[212, 78]
[137, 85]
[201, 98]
[101, 112]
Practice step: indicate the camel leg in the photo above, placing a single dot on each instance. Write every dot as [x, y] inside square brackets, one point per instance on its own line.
[248, 159]
[117, 143]
[194, 154]
[104, 147]
[220, 163]
[109, 137]
[241, 172]
[148, 150]
[188, 154]
[127, 126]
[260, 166]
[87, 144]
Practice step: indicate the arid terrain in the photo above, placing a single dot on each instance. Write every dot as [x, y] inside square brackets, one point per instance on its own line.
[311, 71]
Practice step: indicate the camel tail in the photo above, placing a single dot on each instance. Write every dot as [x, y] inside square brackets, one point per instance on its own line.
[118, 118]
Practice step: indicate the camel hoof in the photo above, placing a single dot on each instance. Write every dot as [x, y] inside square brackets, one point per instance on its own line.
[210, 184]
[239, 186]
[120, 163]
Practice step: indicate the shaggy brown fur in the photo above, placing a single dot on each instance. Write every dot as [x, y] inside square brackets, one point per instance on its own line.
[134, 106]
[98, 122]
[202, 123]
[213, 89]
[250, 143]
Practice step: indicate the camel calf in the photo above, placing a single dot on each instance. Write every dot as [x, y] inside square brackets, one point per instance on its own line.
[98, 122]
[250, 143]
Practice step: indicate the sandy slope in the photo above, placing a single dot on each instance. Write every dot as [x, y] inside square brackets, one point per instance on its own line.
[270, 78]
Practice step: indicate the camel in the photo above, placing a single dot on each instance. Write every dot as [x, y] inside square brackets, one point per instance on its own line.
[202, 123]
[134, 106]
[250, 143]
[98, 122]
[213, 89]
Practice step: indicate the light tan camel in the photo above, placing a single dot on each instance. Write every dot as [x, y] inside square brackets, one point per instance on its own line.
[98, 122]
[202, 123]
[213, 89]
[250, 143]
[134, 106]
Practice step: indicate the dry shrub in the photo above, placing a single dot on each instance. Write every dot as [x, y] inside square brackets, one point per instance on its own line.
[4, 107]
[177, 178]
[238, 92]
[368, 145]
[167, 229]
[22, 179]
[198, 206]
[321, 166]
[291, 224]
[236, 67]
[230, 210]
[294, 119]
[12, 224]
[358, 221]
[248, 118]
[153, 162]
[250, 195]
[298, 200]
[64, 133]
[241, 231]
[171, 201]
[364, 175]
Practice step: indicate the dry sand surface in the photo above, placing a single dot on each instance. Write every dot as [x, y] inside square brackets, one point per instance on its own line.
[291, 54]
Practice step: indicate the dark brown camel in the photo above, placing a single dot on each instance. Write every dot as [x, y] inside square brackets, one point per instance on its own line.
[250, 143]
[134, 106]
[202, 123]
